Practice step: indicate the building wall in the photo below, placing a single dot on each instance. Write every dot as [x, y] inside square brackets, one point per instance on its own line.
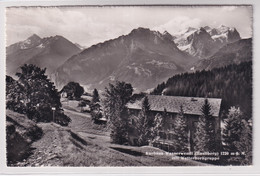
[166, 135]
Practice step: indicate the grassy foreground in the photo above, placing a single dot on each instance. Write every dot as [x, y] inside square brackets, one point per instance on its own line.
[83, 143]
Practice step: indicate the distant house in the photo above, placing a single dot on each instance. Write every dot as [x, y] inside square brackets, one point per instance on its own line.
[192, 111]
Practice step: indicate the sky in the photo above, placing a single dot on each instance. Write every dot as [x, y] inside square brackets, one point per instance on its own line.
[88, 25]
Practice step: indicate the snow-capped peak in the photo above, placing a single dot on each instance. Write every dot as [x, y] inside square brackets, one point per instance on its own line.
[201, 30]
[225, 34]
[33, 40]
[167, 35]
[190, 29]
[223, 29]
[190, 39]
[232, 29]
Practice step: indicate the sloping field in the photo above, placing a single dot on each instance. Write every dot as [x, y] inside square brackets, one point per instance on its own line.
[20, 133]
[83, 143]
[60, 146]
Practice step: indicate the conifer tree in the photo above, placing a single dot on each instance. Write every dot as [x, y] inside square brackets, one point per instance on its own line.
[95, 107]
[165, 124]
[232, 130]
[201, 136]
[180, 132]
[232, 83]
[244, 145]
[116, 97]
[145, 124]
[237, 136]
[205, 132]
[95, 96]
[160, 125]
[119, 127]
[158, 119]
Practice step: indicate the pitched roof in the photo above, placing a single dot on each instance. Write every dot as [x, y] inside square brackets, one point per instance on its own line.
[191, 105]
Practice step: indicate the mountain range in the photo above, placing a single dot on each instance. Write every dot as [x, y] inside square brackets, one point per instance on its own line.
[232, 53]
[50, 52]
[205, 41]
[143, 57]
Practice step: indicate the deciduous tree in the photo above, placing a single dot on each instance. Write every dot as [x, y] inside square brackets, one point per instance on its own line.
[74, 90]
[37, 96]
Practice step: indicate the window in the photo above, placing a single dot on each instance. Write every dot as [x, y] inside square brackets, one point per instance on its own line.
[133, 122]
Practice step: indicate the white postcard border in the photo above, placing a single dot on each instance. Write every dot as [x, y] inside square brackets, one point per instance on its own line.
[245, 170]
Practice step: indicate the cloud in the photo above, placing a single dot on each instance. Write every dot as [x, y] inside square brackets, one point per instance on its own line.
[91, 25]
[178, 24]
[81, 26]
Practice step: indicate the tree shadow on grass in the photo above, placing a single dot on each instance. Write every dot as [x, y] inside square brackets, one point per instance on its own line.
[128, 151]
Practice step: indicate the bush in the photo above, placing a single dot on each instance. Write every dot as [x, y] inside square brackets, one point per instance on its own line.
[62, 119]
[96, 116]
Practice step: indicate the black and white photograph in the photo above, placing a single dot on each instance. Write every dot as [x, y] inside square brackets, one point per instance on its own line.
[129, 85]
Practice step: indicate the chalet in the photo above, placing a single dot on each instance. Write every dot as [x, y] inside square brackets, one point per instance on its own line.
[192, 110]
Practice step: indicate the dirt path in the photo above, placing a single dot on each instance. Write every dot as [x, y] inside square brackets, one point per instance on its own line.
[87, 115]
[57, 140]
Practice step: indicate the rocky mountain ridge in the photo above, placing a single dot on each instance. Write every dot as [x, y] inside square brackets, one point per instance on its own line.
[205, 41]
[231, 53]
[143, 58]
[49, 52]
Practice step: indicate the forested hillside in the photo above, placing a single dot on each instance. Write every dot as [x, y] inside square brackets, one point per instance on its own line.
[232, 83]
